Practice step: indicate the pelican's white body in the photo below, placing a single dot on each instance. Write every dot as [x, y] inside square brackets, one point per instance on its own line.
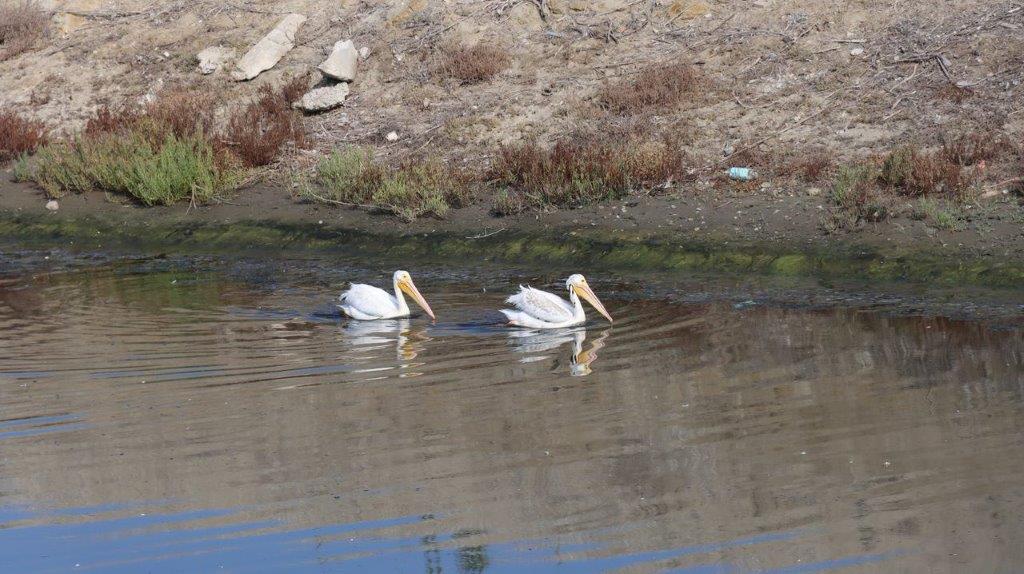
[542, 310]
[368, 303]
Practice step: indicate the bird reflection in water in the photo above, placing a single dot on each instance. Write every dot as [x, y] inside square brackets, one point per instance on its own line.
[536, 344]
[407, 338]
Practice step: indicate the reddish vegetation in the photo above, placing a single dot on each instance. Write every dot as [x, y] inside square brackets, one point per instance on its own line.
[472, 65]
[575, 173]
[810, 165]
[910, 171]
[969, 149]
[22, 23]
[254, 134]
[18, 135]
[258, 131]
[654, 86]
[108, 120]
[181, 112]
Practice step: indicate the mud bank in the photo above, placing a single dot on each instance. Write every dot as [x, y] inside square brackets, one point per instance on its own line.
[576, 238]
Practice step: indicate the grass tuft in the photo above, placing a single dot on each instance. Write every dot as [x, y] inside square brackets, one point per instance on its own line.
[19, 136]
[577, 173]
[412, 190]
[472, 64]
[912, 172]
[658, 86]
[22, 24]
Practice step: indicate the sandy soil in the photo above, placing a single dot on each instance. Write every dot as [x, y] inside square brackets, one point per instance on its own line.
[782, 76]
[795, 73]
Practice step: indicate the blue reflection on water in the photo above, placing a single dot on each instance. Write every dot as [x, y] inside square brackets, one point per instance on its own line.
[84, 540]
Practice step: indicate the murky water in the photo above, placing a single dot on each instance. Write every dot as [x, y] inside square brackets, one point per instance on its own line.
[211, 416]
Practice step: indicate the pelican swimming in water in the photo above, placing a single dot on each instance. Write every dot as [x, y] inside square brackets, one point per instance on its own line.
[542, 310]
[367, 303]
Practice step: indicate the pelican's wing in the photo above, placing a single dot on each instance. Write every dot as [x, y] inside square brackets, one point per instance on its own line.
[545, 306]
[367, 302]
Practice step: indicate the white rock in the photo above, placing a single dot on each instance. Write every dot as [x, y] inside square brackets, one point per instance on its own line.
[341, 64]
[269, 50]
[324, 98]
[364, 52]
[857, 52]
[52, 205]
[214, 58]
[392, 136]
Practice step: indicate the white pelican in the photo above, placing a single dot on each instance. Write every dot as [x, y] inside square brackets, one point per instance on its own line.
[542, 310]
[367, 303]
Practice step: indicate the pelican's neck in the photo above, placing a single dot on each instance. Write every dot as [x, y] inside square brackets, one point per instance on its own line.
[577, 307]
[400, 298]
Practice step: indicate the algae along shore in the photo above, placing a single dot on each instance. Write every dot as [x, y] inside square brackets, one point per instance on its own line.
[618, 238]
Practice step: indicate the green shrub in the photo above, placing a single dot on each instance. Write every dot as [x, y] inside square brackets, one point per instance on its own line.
[172, 170]
[414, 189]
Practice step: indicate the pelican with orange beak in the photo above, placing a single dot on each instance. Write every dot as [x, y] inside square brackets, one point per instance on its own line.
[368, 303]
[542, 310]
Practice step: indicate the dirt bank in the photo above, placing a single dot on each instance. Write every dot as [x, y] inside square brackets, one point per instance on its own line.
[741, 234]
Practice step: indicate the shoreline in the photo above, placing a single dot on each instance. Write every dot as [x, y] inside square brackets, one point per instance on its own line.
[658, 234]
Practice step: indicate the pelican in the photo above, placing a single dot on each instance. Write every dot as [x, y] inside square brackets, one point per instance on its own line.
[542, 310]
[367, 303]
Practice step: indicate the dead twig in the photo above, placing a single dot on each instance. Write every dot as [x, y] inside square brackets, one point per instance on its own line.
[483, 235]
[336, 202]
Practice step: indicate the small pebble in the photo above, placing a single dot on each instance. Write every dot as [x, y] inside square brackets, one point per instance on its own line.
[392, 136]
[52, 205]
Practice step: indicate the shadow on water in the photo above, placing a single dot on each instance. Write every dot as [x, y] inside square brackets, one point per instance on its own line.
[187, 416]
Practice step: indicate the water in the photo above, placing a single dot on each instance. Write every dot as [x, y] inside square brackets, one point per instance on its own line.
[210, 415]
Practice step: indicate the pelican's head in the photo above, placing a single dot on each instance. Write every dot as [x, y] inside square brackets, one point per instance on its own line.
[577, 284]
[404, 282]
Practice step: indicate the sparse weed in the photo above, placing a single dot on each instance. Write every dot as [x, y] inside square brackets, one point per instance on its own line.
[912, 172]
[939, 213]
[508, 202]
[22, 24]
[472, 64]
[810, 165]
[971, 148]
[573, 174]
[19, 135]
[412, 190]
[22, 169]
[658, 86]
[258, 131]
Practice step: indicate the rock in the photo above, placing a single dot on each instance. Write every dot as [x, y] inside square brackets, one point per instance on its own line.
[857, 52]
[213, 58]
[813, 191]
[392, 136]
[269, 50]
[323, 98]
[341, 64]
[364, 52]
[52, 205]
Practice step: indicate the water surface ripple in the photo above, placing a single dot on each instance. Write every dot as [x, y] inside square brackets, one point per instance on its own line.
[180, 418]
